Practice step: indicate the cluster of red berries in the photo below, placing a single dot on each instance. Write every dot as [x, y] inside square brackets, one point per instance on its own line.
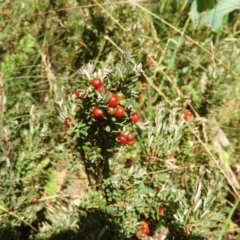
[128, 138]
[115, 107]
[188, 115]
[115, 104]
[145, 229]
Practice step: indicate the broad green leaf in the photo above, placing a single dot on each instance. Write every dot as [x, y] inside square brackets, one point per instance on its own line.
[216, 16]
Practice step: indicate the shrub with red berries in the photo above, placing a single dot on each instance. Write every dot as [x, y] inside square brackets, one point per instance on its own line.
[130, 159]
[106, 113]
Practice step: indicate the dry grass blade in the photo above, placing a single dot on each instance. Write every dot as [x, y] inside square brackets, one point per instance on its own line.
[110, 15]
[48, 70]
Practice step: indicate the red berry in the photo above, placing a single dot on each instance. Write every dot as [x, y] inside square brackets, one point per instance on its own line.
[4, 13]
[135, 117]
[113, 101]
[148, 64]
[188, 112]
[188, 115]
[161, 211]
[154, 58]
[96, 83]
[144, 85]
[35, 200]
[122, 138]
[120, 111]
[78, 94]
[128, 163]
[130, 136]
[81, 44]
[144, 230]
[67, 121]
[98, 113]
[131, 143]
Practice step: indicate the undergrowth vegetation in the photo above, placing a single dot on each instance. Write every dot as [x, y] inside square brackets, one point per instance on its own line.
[119, 119]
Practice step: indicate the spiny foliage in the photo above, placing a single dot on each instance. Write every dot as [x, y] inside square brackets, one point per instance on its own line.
[87, 184]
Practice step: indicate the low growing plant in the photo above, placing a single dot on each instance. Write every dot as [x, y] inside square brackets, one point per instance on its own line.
[141, 181]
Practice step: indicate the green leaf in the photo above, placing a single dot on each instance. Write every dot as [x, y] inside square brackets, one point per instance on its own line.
[52, 184]
[110, 209]
[216, 16]
[108, 129]
[205, 5]
[84, 133]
